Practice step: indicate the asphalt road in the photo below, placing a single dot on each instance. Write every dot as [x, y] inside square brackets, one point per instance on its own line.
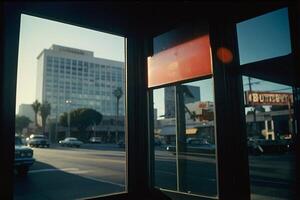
[72, 173]
[271, 176]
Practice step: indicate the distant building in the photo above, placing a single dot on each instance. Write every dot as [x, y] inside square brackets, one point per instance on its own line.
[26, 110]
[75, 75]
[194, 91]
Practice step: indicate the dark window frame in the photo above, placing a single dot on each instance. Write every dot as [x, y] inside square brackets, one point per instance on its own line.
[138, 45]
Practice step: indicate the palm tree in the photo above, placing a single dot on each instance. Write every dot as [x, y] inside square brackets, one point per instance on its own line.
[118, 93]
[45, 110]
[36, 107]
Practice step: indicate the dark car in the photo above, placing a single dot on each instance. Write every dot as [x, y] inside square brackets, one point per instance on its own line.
[38, 141]
[121, 144]
[263, 146]
[23, 157]
[70, 142]
[95, 140]
[195, 145]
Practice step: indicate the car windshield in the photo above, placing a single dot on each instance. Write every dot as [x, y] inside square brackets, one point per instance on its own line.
[18, 141]
[38, 137]
[71, 139]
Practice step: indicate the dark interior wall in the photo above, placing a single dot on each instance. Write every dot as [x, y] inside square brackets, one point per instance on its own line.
[128, 19]
[151, 18]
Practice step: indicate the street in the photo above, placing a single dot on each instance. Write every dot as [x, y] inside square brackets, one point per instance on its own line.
[271, 176]
[73, 173]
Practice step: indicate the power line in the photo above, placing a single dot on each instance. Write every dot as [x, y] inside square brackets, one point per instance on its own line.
[282, 89]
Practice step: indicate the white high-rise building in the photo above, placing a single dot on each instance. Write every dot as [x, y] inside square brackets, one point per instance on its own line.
[75, 75]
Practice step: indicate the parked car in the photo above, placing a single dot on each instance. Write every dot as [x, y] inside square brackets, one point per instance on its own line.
[157, 142]
[95, 140]
[38, 141]
[121, 144]
[23, 157]
[195, 145]
[258, 146]
[70, 142]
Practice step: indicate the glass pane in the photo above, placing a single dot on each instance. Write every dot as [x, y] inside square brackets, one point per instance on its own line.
[185, 160]
[270, 129]
[164, 135]
[70, 120]
[263, 37]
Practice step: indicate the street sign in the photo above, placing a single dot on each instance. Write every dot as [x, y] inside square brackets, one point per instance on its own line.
[268, 98]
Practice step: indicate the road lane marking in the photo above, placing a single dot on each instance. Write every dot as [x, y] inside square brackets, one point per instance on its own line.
[104, 181]
[51, 170]
[78, 172]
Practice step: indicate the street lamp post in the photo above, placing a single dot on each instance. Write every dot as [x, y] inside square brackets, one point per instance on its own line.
[118, 94]
[69, 124]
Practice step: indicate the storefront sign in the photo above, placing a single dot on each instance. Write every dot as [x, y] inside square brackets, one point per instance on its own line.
[189, 60]
[268, 98]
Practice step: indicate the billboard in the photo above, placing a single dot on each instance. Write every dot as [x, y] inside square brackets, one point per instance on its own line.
[268, 98]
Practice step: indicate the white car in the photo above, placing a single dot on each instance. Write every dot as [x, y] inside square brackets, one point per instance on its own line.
[71, 142]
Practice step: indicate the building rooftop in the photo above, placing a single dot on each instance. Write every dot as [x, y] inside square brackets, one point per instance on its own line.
[70, 50]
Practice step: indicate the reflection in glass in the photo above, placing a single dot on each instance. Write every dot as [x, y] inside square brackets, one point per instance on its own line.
[270, 132]
[185, 157]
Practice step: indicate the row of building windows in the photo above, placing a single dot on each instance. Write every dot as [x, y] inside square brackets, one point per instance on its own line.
[56, 61]
[79, 90]
[104, 76]
[97, 86]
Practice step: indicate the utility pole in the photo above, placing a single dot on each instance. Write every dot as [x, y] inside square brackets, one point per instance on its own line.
[254, 107]
[69, 123]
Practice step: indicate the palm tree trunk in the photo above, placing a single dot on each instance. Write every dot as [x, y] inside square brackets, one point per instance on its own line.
[117, 116]
[35, 117]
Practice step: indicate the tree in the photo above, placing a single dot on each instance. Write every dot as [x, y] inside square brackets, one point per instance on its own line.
[21, 122]
[45, 111]
[81, 118]
[118, 93]
[36, 107]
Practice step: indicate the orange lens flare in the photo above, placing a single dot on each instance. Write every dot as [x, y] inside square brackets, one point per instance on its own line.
[224, 55]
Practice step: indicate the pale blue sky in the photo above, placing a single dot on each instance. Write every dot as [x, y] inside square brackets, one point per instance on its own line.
[263, 37]
[37, 34]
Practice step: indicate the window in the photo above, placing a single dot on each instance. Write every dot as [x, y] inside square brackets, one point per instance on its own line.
[193, 171]
[90, 166]
[270, 128]
[108, 76]
[264, 37]
[183, 133]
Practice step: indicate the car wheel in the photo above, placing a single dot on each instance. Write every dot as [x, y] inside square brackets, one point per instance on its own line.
[22, 170]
